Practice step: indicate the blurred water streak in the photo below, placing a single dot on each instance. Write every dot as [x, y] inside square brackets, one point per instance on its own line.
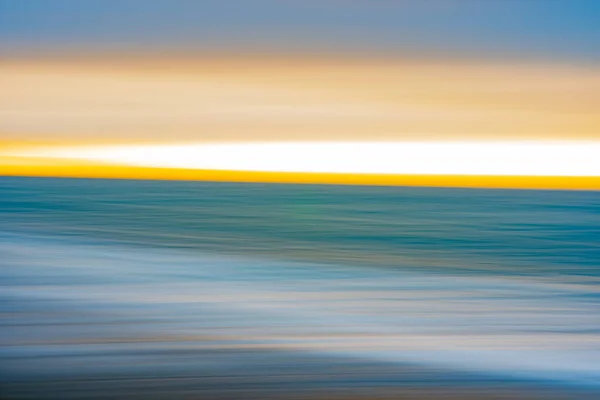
[118, 289]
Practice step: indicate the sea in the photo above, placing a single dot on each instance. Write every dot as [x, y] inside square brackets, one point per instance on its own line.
[127, 289]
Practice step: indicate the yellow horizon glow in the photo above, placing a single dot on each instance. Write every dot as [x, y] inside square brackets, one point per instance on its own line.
[359, 121]
[558, 158]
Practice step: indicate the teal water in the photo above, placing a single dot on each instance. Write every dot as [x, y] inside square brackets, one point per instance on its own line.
[471, 230]
[131, 281]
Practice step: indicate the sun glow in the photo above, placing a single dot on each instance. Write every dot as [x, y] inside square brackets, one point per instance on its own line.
[414, 158]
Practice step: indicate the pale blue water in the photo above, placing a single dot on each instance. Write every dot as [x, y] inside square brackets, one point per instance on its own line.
[130, 281]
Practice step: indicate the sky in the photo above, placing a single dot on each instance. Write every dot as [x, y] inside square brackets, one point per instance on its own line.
[495, 28]
[195, 73]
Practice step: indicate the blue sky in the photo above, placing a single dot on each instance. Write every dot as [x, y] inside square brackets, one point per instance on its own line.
[564, 29]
